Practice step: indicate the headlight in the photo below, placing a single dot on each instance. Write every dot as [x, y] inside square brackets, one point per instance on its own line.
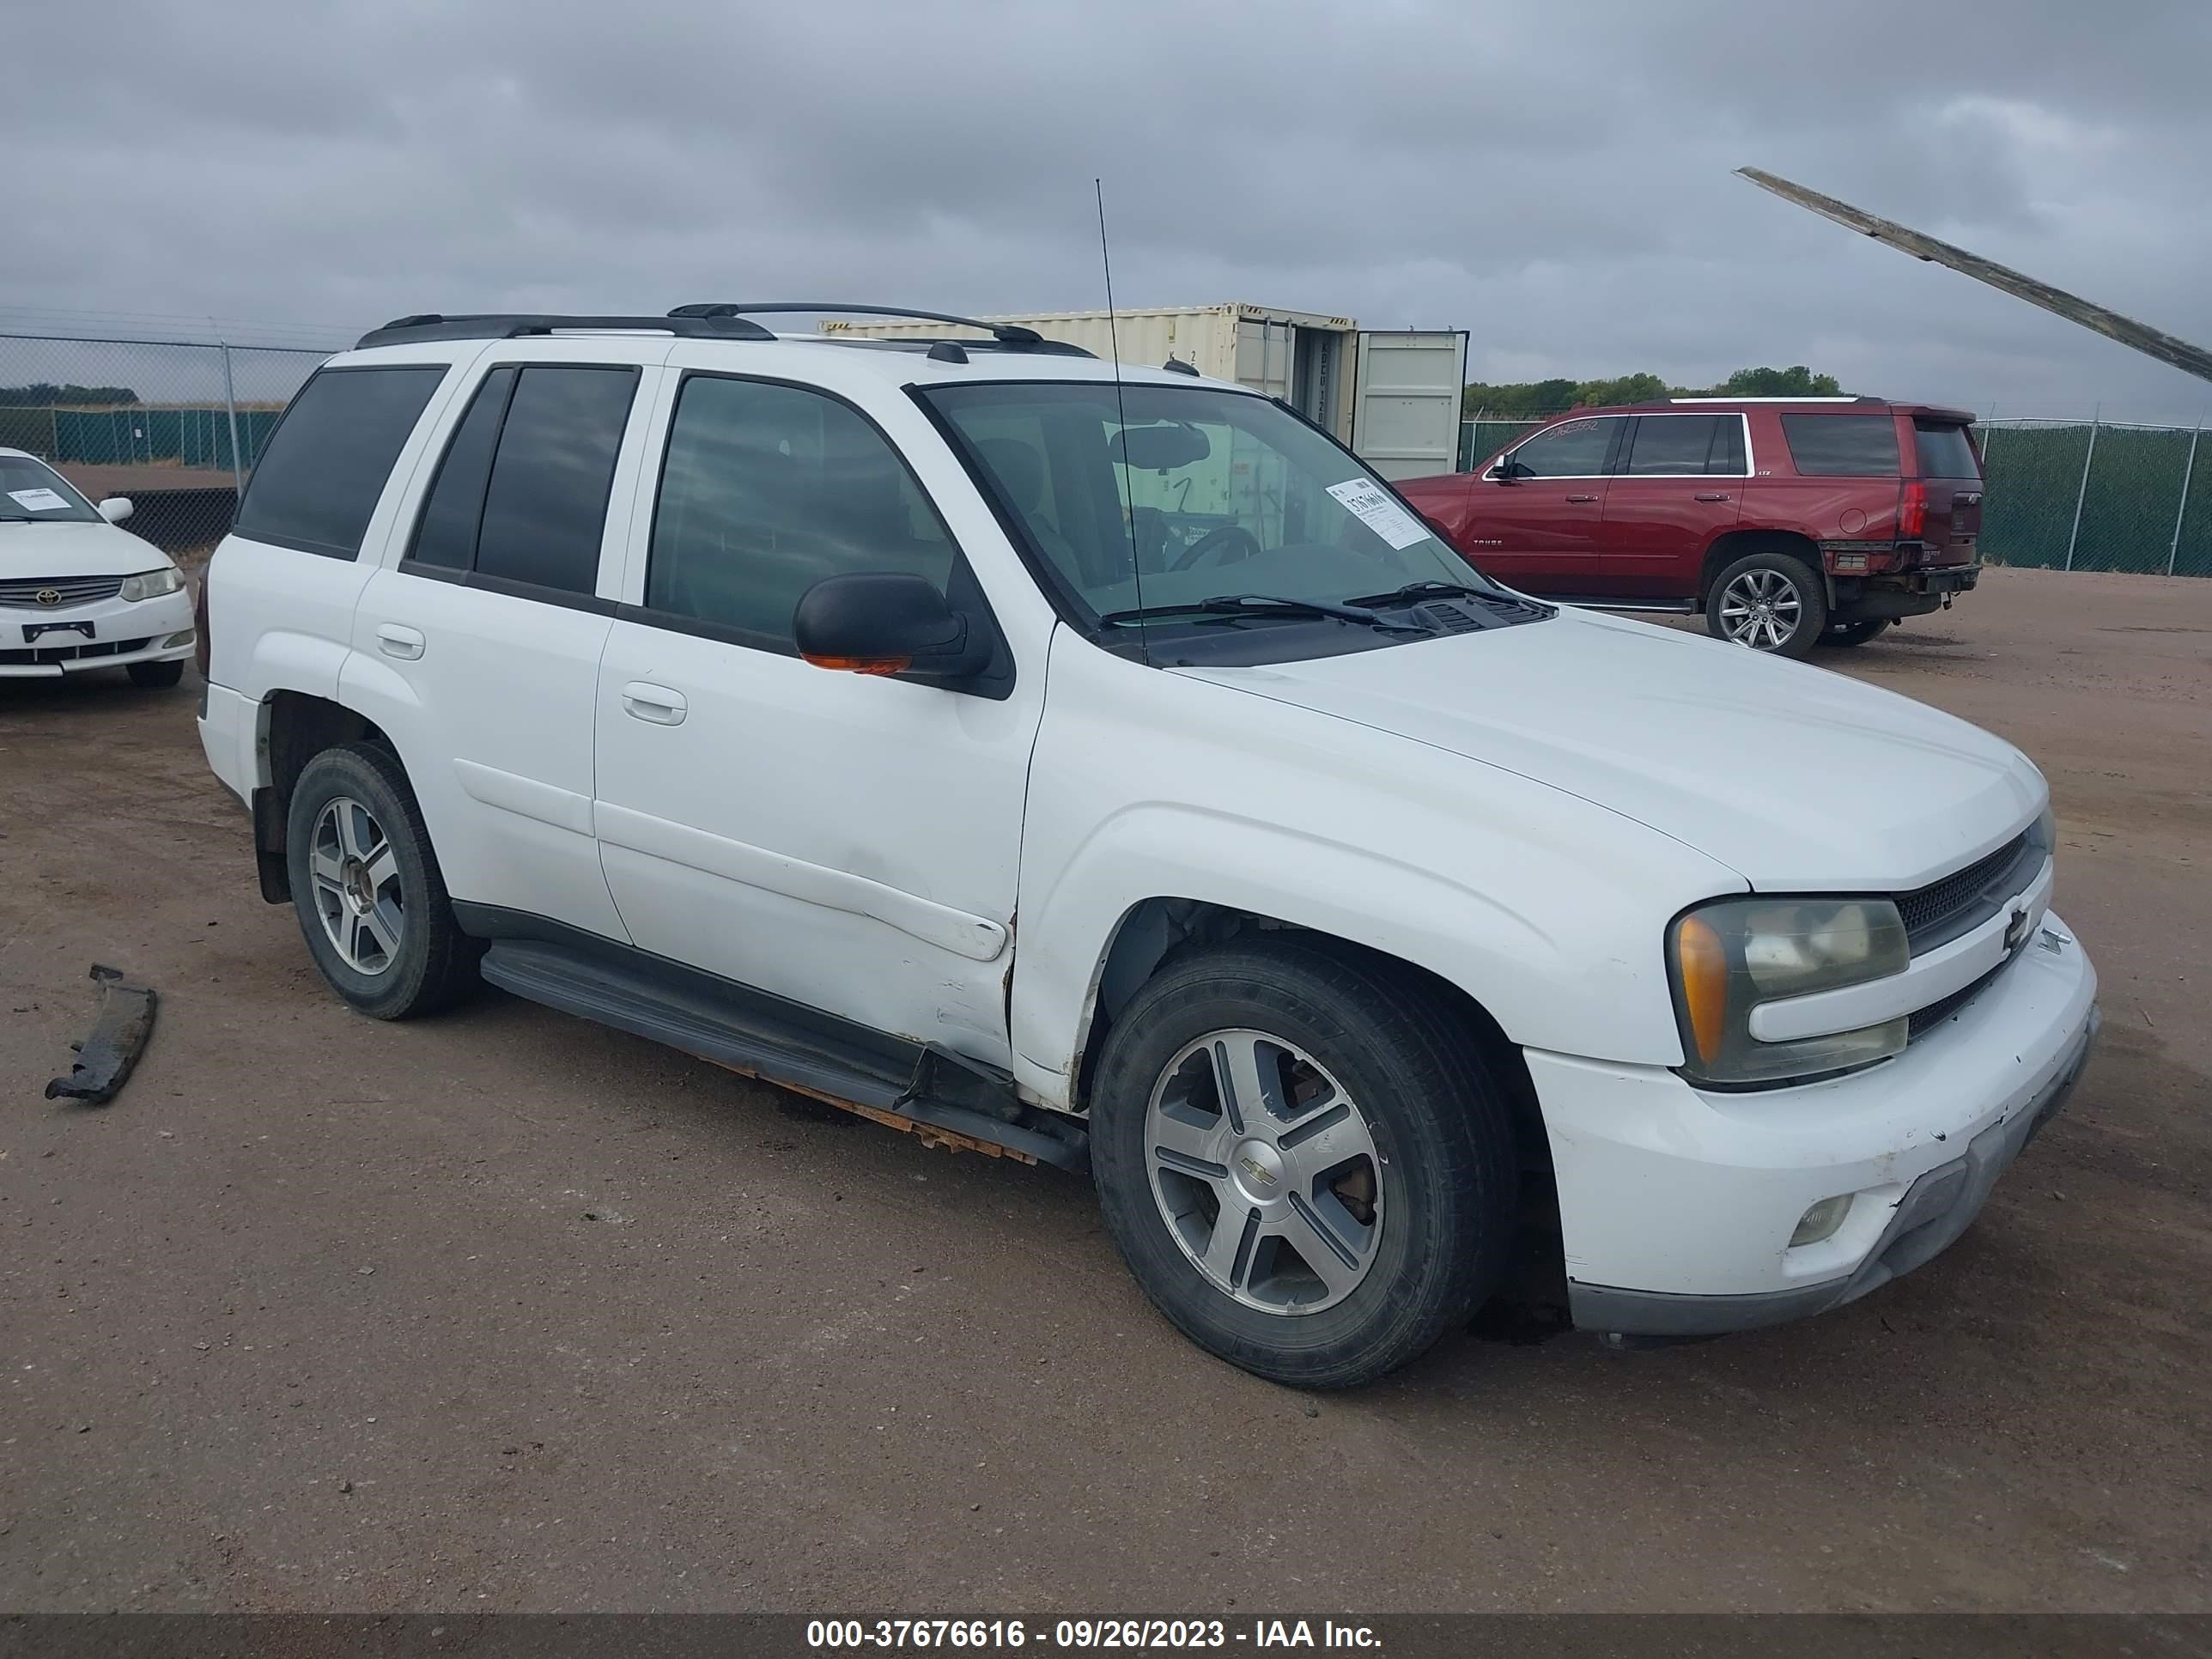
[152, 584]
[1726, 959]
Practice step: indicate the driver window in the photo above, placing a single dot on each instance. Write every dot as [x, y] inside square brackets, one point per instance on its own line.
[1573, 449]
[766, 489]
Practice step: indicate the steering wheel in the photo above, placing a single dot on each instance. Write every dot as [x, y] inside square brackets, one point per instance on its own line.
[1215, 539]
[1149, 527]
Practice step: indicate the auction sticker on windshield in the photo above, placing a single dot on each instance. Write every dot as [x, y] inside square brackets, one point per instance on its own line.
[1367, 502]
[46, 501]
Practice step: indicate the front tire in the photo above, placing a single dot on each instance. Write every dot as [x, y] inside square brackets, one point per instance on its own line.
[1303, 1160]
[1771, 602]
[157, 676]
[371, 901]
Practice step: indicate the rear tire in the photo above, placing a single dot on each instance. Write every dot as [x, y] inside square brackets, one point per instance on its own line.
[157, 676]
[1771, 602]
[1361, 1128]
[371, 901]
[1853, 633]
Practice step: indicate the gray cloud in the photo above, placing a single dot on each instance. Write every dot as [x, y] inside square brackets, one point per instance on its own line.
[1554, 179]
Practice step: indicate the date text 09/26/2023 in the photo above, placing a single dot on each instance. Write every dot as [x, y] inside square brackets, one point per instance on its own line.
[1086, 1634]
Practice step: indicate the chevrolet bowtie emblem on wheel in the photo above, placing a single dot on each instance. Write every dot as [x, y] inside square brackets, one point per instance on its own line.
[1251, 1167]
[48, 596]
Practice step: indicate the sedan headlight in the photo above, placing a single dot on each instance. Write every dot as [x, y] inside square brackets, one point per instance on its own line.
[1726, 959]
[152, 584]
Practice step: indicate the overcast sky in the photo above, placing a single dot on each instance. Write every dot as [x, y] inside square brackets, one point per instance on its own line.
[1554, 177]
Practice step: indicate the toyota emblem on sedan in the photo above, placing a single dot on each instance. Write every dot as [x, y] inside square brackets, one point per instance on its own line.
[48, 596]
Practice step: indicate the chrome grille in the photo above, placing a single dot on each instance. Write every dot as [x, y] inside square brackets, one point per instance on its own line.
[24, 592]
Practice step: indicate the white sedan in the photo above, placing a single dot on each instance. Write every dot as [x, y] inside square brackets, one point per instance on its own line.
[75, 593]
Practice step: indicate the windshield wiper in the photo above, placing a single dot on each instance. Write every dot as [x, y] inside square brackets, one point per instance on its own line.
[1231, 604]
[1413, 592]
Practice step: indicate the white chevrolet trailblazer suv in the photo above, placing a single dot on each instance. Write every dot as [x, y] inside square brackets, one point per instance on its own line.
[1106, 768]
[75, 593]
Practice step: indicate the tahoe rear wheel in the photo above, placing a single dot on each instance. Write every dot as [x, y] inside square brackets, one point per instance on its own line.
[1303, 1160]
[1770, 602]
[371, 902]
[1853, 633]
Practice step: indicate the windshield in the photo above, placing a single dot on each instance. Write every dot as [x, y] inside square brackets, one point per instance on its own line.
[33, 491]
[1201, 493]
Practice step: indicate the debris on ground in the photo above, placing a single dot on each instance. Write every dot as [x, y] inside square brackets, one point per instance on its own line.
[118, 1036]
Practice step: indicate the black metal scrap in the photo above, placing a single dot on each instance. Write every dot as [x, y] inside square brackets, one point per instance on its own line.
[118, 1036]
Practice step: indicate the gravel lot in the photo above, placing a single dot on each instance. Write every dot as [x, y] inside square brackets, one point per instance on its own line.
[502, 1311]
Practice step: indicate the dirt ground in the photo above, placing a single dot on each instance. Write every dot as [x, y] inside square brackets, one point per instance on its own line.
[502, 1311]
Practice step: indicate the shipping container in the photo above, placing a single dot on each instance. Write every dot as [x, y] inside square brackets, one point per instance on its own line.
[1391, 395]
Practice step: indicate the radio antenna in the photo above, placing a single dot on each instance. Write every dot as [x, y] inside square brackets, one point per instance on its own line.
[1122, 413]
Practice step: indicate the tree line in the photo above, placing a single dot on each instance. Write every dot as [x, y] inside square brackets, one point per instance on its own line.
[45, 394]
[1532, 400]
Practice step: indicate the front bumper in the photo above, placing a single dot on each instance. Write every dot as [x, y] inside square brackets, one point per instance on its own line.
[1677, 1205]
[43, 644]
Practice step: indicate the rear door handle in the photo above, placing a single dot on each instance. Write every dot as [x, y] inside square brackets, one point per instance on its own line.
[1582, 498]
[1712, 495]
[395, 641]
[644, 700]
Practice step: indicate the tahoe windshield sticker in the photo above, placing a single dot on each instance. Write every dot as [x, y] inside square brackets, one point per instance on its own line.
[1366, 501]
[40, 501]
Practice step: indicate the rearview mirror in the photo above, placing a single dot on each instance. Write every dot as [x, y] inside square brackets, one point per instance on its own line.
[887, 623]
[116, 508]
[1163, 448]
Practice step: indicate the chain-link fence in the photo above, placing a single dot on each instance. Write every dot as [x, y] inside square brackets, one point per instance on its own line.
[2062, 495]
[175, 425]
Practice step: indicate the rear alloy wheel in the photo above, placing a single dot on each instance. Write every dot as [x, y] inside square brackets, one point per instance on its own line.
[1303, 1158]
[372, 903]
[1770, 602]
[1853, 633]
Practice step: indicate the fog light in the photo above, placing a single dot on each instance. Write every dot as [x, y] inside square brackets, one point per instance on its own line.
[1822, 1220]
[185, 638]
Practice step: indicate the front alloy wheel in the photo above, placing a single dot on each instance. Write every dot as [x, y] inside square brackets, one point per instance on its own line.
[1264, 1172]
[1303, 1157]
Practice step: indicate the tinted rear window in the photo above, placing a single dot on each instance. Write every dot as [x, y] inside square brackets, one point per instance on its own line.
[1946, 451]
[546, 510]
[316, 487]
[1681, 446]
[1843, 445]
[446, 534]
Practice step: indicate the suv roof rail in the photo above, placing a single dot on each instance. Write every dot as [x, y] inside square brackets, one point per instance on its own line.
[1006, 334]
[508, 325]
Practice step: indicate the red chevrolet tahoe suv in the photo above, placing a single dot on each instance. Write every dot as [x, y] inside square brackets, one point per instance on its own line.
[1789, 522]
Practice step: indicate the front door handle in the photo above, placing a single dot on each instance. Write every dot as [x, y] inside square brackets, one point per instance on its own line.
[395, 641]
[644, 700]
[1712, 494]
[1582, 498]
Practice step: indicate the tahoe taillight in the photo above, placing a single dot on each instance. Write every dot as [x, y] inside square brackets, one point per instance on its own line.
[1912, 511]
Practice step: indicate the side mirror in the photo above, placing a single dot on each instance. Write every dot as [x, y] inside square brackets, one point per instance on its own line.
[881, 623]
[116, 508]
[1507, 471]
